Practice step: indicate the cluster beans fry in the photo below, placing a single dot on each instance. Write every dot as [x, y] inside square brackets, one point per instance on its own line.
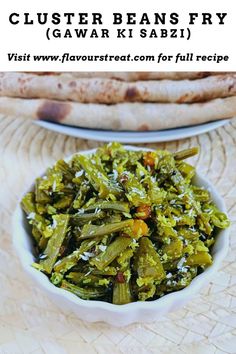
[122, 226]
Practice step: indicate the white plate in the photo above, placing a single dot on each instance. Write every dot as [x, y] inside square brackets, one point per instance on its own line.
[132, 137]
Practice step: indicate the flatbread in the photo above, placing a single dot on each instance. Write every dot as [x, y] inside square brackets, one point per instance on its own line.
[112, 91]
[134, 75]
[123, 116]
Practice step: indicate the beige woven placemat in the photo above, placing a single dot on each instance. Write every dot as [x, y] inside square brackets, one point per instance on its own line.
[31, 323]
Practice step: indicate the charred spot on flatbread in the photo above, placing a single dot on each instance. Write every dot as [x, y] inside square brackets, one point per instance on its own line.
[53, 111]
[42, 73]
[231, 87]
[183, 98]
[72, 84]
[143, 127]
[188, 98]
[203, 74]
[132, 94]
[116, 78]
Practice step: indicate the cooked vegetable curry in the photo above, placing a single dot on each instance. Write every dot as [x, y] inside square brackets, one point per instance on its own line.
[122, 226]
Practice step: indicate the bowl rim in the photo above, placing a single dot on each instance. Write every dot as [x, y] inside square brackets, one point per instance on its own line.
[26, 258]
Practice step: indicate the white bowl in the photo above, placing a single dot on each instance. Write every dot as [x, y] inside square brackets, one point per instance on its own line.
[118, 315]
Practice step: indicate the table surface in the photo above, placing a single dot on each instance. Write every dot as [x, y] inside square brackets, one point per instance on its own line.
[31, 323]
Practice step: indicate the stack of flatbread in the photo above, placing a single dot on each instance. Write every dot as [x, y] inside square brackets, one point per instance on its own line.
[120, 100]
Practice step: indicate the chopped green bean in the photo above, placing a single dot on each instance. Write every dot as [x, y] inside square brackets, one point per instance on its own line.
[84, 293]
[55, 242]
[111, 252]
[121, 293]
[82, 218]
[184, 154]
[68, 262]
[118, 206]
[91, 231]
[98, 178]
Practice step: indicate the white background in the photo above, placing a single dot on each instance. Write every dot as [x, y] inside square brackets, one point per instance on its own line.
[205, 40]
